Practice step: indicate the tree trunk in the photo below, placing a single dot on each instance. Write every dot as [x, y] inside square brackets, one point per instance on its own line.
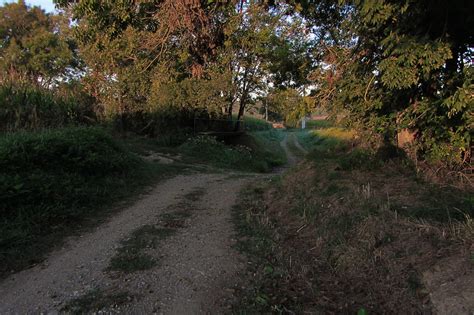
[241, 112]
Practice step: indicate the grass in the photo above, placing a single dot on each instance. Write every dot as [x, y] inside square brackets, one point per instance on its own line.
[132, 256]
[29, 107]
[95, 301]
[267, 144]
[256, 124]
[134, 252]
[318, 124]
[54, 182]
[255, 152]
[314, 237]
[195, 195]
[255, 239]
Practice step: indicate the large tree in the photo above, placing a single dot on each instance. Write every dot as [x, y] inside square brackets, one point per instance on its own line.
[32, 46]
[392, 66]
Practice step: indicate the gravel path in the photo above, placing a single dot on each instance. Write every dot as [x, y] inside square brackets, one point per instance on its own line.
[198, 267]
[196, 273]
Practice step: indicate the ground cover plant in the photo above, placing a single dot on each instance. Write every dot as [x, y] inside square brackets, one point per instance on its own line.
[138, 251]
[348, 231]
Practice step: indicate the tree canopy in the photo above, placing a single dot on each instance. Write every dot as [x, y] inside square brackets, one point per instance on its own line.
[32, 45]
[381, 67]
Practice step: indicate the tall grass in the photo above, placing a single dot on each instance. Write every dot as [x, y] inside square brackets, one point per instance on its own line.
[27, 107]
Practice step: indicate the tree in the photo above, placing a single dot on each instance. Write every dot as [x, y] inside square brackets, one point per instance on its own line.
[31, 45]
[288, 105]
[262, 50]
[395, 65]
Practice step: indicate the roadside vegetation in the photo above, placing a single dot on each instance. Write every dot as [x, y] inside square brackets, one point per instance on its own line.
[352, 230]
[256, 124]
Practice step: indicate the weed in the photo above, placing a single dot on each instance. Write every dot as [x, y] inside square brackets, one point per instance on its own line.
[414, 282]
[334, 188]
[54, 180]
[130, 261]
[318, 124]
[343, 224]
[29, 107]
[174, 219]
[256, 124]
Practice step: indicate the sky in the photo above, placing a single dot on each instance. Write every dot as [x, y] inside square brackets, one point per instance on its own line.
[47, 5]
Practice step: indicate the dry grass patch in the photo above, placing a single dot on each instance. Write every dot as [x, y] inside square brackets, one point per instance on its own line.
[363, 238]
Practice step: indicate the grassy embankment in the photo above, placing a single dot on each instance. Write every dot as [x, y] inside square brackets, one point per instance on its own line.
[349, 231]
[55, 183]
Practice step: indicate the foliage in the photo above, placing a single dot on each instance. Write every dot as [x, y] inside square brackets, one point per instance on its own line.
[256, 124]
[288, 104]
[193, 58]
[31, 45]
[318, 124]
[388, 65]
[208, 149]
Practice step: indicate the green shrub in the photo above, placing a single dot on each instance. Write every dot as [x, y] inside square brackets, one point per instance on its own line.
[318, 124]
[359, 159]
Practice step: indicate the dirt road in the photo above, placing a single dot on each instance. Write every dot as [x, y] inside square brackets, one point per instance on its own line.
[197, 267]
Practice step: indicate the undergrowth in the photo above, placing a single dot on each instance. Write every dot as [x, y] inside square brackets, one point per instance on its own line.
[96, 300]
[256, 124]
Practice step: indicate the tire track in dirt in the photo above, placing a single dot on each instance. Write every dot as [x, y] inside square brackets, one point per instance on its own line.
[200, 267]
